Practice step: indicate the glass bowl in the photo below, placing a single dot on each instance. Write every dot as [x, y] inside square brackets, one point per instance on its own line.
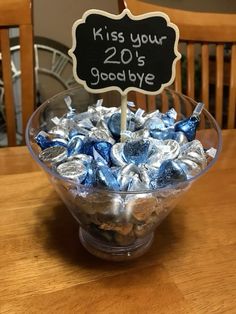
[118, 225]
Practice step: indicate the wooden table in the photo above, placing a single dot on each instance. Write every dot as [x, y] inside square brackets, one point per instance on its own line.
[190, 268]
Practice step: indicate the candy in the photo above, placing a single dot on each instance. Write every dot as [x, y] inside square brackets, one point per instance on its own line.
[107, 178]
[136, 181]
[194, 152]
[42, 139]
[162, 135]
[77, 131]
[73, 169]
[189, 126]
[53, 154]
[90, 179]
[136, 151]
[126, 174]
[169, 173]
[169, 134]
[68, 102]
[116, 154]
[59, 131]
[180, 138]
[86, 159]
[169, 117]
[154, 123]
[101, 135]
[136, 184]
[75, 145]
[114, 124]
[98, 158]
[86, 124]
[189, 167]
[157, 152]
[104, 149]
[137, 135]
[142, 207]
[58, 142]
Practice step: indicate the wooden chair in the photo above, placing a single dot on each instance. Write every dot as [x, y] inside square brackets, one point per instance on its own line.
[201, 35]
[17, 13]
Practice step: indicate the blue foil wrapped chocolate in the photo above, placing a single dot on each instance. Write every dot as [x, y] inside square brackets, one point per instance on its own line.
[136, 151]
[169, 173]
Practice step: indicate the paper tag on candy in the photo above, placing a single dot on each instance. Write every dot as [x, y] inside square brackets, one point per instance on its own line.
[124, 52]
[198, 109]
[211, 152]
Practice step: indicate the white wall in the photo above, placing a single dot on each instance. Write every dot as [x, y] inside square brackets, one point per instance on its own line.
[54, 18]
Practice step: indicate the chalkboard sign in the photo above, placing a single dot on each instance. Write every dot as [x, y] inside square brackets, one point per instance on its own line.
[124, 52]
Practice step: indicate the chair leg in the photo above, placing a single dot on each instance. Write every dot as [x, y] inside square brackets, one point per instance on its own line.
[27, 73]
[8, 88]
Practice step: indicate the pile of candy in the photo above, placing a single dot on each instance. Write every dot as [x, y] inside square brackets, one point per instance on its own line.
[155, 152]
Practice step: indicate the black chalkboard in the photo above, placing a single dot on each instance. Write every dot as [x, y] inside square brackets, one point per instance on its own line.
[124, 52]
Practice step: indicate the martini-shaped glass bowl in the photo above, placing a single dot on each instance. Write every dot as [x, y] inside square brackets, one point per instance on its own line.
[118, 225]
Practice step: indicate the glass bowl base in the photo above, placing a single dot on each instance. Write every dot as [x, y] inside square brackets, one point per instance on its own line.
[115, 253]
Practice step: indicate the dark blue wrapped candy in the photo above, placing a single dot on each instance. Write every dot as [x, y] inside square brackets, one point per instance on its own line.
[43, 140]
[136, 152]
[75, 145]
[104, 149]
[169, 173]
[188, 127]
[87, 147]
[114, 124]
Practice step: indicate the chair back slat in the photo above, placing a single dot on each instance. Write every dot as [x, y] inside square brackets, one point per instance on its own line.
[177, 105]
[141, 101]
[205, 75]
[17, 13]
[219, 83]
[7, 79]
[190, 70]
[164, 102]
[232, 90]
[178, 76]
[27, 75]
[151, 102]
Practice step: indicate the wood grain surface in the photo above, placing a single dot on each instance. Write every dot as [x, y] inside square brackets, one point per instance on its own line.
[190, 268]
